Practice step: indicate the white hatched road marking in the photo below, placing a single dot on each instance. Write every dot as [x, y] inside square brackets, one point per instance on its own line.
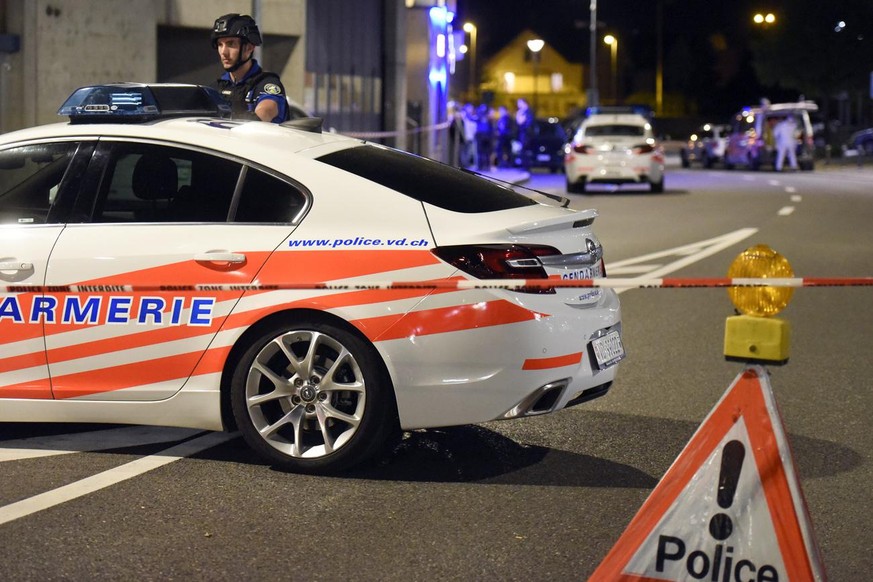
[683, 256]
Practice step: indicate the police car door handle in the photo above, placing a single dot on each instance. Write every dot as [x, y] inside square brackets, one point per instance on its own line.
[15, 266]
[220, 257]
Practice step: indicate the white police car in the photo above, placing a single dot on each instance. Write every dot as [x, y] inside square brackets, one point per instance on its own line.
[161, 264]
[614, 148]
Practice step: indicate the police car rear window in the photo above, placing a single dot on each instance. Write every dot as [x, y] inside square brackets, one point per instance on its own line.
[426, 180]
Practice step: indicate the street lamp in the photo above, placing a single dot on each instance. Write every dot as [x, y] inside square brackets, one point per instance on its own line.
[471, 29]
[535, 46]
[593, 97]
[659, 58]
[612, 41]
[764, 19]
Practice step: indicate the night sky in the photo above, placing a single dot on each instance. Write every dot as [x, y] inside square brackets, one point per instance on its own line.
[705, 42]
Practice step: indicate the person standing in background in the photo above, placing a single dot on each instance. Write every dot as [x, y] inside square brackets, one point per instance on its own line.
[785, 136]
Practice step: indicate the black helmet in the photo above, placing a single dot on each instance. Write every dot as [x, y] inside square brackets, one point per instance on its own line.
[236, 25]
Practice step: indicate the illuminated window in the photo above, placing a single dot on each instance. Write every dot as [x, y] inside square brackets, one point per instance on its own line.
[557, 82]
[509, 82]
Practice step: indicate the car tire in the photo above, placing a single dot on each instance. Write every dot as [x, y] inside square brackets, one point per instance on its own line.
[311, 396]
[577, 187]
[658, 187]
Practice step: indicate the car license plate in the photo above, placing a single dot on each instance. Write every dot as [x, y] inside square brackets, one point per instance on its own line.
[608, 350]
[543, 158]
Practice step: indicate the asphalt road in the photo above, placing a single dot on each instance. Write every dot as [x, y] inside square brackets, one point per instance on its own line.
[536, 499]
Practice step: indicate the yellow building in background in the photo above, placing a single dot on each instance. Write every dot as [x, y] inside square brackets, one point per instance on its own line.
[551, 84]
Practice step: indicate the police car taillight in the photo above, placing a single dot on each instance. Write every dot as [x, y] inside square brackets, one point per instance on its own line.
[500, 261]
[135, 102]
[581, 148]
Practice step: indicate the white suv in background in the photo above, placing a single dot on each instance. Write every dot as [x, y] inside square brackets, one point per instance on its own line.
[614, 148]
[751, 143]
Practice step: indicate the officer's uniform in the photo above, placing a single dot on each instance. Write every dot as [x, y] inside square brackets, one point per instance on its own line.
[256, 86]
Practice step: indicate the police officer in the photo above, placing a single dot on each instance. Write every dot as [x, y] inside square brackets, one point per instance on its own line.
[252, 92]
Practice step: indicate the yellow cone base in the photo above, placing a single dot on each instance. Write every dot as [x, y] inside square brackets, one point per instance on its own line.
[762, 340]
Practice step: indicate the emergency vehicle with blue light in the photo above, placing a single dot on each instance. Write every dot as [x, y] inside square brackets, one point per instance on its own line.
[163, 264]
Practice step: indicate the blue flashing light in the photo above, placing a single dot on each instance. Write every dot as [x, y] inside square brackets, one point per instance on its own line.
[439, 17]
[437, 76]
[135, 102]
[109, 100]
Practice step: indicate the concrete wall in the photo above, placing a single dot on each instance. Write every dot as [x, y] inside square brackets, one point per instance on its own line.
[278, 17]
[69, 43]
[66, 44]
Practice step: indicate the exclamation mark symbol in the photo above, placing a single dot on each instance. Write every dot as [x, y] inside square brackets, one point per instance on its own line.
[720, 526]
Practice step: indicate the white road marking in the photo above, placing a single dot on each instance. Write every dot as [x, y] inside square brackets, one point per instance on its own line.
[96, 440]
[773, 182]
[110, 477]
[796, 198]
[790, 189]
[786, 210]
[689, 254]
[630, 269]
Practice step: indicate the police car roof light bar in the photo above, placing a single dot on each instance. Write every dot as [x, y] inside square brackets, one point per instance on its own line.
[137, 103]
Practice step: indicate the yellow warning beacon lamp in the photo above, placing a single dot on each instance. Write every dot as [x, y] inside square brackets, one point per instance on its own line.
[757, 335]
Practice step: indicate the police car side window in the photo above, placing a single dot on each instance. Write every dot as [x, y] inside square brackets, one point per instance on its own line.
[265, 199]
[146, 183]
[30, 178]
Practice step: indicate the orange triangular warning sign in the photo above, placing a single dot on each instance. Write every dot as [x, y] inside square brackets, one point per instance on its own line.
[730, 506]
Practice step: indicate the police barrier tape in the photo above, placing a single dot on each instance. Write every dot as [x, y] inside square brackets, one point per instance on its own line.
[379, 134]
[461, 284]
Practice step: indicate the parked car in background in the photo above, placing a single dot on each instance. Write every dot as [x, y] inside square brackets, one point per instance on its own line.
[614, 149]
[861, 142]
[572, 124]
[543, 146]
[705, 146]
[751, 143]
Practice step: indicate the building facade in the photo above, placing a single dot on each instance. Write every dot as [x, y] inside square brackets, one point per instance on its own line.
[360, 64]
[551, 84]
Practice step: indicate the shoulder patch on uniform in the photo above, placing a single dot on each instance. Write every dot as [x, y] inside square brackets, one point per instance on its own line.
[272, 89]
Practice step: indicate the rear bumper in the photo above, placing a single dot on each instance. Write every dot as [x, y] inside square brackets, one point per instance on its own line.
[524, 368]
[626, 172]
